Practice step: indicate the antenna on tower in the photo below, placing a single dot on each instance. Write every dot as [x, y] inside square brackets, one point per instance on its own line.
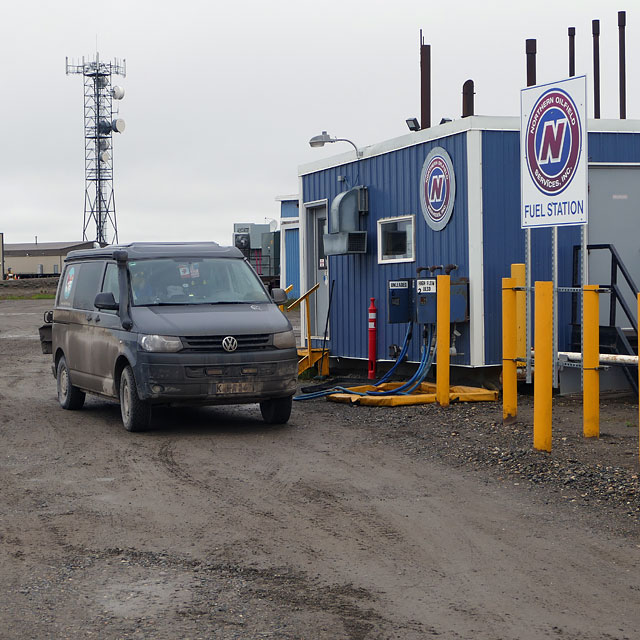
[99, 127]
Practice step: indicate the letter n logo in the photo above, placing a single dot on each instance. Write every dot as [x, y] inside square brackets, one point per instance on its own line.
[552, 144]
[437, 182]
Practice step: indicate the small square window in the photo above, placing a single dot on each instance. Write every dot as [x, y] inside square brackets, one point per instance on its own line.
[396, 240]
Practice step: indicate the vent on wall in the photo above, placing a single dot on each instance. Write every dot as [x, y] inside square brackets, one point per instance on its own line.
[344, 223]
[337, 244]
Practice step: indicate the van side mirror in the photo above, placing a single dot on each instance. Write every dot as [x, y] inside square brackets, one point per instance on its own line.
[106, 301]
[279, 296]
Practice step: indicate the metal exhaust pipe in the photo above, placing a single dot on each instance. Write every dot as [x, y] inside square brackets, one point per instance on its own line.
[595, 30]
[425, 83]
[530, 49]
[467, 99]
[572, 52]
[622, 23]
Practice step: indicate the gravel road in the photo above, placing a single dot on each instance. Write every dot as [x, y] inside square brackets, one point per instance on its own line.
[349, 522]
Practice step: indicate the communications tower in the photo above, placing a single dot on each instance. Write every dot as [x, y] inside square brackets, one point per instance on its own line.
[100, 123]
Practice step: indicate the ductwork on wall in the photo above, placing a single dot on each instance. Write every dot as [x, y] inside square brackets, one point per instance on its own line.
[344, 223]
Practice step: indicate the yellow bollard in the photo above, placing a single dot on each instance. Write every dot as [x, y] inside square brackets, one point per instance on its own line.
[509, 346]
[518, 273]
[590, 362]
[543, 366]
[443, 306]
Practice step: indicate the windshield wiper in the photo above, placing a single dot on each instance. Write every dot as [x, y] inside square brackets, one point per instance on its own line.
[166, 304]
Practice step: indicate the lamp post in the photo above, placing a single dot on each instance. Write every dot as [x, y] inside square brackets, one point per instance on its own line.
[324, 138]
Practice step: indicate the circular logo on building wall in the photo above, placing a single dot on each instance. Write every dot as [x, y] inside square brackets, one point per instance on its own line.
[437, 188]
[553, 141]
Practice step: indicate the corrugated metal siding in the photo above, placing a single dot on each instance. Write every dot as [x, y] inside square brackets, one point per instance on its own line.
[504, 241]
[614, 147]
[393, 181]
[289, 209]
[292, 250]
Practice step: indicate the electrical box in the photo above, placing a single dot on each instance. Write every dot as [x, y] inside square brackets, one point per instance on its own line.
[460, 300]
[400, 301]
[426, 300]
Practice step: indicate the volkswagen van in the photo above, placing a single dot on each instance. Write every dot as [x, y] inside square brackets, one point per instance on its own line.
[151, 324]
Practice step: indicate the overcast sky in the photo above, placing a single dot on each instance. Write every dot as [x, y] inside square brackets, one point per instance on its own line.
[222, 97]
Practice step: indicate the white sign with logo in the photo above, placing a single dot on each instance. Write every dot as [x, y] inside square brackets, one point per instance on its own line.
[437, 188]
[553, 154]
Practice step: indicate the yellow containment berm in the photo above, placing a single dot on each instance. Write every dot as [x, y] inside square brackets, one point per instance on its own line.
[425, 393]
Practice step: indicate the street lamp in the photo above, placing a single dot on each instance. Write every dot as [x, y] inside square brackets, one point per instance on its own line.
[324, 137]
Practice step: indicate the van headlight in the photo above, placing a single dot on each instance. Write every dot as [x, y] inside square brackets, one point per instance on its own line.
[156, 343]
[284, 340]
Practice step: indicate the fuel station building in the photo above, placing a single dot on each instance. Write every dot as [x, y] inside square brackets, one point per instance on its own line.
[365, 222]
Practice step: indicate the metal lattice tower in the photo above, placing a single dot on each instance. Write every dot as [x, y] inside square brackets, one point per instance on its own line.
[100, 122]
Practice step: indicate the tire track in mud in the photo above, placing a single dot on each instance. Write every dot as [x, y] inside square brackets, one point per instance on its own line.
[168, 462]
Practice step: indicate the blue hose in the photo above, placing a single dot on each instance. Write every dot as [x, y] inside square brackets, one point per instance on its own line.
[426, 360]
[400, 358]
[417, 377]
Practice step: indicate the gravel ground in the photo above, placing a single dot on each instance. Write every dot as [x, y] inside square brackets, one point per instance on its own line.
[599, 474]
[349, 522]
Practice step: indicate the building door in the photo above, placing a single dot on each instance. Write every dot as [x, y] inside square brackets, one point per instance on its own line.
[317, 268]
[614, 215]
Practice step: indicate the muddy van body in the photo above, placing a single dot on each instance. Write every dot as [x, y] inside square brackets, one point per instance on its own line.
[154, 324]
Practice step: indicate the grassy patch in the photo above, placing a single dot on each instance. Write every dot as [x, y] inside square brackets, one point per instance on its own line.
[32, 296]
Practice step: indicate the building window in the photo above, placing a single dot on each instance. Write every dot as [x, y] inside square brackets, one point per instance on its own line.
[396, 240]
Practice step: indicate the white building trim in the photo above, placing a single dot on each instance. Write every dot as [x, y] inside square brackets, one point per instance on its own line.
[476, 248]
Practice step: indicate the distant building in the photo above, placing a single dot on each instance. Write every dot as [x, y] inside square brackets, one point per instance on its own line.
[290, 243]
[38, 259]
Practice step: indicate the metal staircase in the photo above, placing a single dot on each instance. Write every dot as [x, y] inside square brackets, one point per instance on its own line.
[614, 339]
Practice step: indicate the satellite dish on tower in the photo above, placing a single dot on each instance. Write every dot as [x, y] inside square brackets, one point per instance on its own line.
[118, 125]
[117, 92]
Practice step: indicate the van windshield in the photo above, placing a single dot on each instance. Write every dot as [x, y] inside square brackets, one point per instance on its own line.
[168, 281]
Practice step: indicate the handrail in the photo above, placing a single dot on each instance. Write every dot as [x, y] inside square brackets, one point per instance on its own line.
[616, 294]
[619, 263]
[293, 305]
[308, 314]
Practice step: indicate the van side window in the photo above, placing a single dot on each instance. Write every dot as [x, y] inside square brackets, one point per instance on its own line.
[88, 284]
[110, 283]
[67, 286]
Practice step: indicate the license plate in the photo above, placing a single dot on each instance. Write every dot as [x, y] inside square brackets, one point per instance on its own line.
[234, 387]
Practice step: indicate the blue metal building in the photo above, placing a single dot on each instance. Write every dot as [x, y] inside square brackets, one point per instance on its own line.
[483, 235]
[289, 244]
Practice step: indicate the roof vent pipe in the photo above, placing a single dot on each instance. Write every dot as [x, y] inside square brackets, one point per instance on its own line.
[572, 52]
[425, 83]
[530, 49]
[622, 22]
[595, 30]
[467, 99]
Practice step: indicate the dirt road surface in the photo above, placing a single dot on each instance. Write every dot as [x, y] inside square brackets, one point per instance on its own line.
[349, 522]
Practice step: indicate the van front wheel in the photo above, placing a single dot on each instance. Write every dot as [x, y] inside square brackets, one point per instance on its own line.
[276, 410]
[136, 413]
[69, 397]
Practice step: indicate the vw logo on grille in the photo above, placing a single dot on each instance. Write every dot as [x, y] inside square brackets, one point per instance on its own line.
[229, 343]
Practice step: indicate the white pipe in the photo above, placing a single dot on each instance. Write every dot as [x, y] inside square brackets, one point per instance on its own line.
[605, 358]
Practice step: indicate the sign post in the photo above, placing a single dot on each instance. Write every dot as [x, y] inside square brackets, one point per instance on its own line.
[553, 173]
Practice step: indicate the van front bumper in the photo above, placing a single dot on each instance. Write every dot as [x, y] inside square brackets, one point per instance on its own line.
[194, 378]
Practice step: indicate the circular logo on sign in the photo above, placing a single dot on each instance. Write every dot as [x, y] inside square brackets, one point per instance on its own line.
[230, 344]
[553, 142]
[437, 188]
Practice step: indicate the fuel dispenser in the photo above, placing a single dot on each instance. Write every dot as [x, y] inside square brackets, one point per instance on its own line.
[400, 301]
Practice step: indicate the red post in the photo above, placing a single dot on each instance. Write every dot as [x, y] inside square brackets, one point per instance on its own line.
[373, 338]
